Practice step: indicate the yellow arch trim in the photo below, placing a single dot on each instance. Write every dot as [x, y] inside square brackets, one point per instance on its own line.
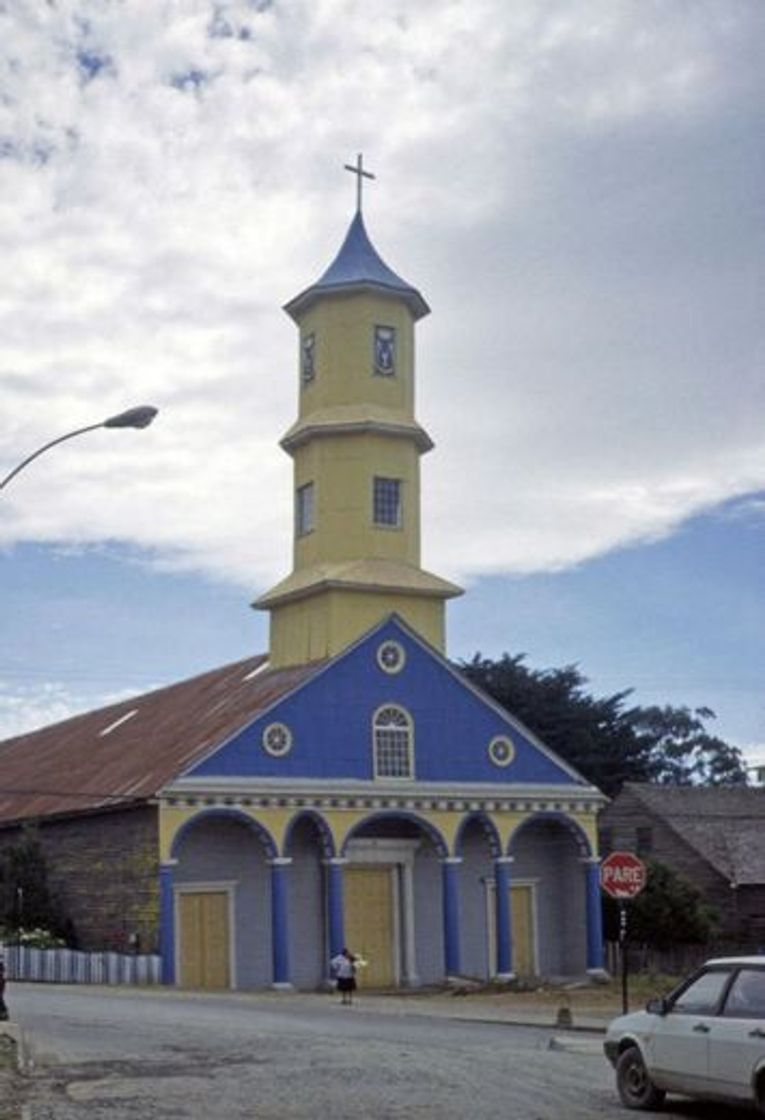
[342, 822]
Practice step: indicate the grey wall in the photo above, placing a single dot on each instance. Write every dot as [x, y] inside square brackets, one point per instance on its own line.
[220, 850]
[547, 852]
[474, 872]
[308, 954]
[428, 923]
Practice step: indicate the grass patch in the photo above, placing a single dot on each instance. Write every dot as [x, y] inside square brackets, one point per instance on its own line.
[530, 993]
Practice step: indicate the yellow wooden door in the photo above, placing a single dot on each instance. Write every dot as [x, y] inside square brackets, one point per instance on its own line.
[522, 925]
[204, 939]
[369, 922]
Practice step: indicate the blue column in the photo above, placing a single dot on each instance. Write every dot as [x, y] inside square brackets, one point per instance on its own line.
[594, 917]
[280, 923]
[451, 915]
[335, 906]
[167, 921]
[503, 918]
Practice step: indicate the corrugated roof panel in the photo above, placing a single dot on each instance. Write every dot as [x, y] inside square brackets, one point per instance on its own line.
[118, 722]
[72, 767]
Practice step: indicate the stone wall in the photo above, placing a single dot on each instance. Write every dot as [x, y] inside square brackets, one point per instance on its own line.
[103, 868]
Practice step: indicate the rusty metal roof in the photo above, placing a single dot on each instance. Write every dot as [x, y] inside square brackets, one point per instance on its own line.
[126, 752]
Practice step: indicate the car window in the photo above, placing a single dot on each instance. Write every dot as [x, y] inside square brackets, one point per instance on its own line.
[703, 995]
[746, 998]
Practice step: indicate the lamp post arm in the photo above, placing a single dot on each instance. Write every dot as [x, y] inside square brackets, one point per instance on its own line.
[45, 447]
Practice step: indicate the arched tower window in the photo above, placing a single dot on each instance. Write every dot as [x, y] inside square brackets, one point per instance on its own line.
[393, 743]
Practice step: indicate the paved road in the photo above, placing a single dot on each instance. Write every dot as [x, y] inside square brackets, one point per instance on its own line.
[156, 1055]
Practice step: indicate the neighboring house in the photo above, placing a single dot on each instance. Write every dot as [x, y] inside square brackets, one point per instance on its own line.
[351, 786]
[715, 837]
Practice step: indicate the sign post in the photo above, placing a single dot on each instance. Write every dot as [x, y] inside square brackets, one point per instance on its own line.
[623, 876]
[623, 949]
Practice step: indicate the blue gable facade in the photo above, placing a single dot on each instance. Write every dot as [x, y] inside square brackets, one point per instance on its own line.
[330, 719]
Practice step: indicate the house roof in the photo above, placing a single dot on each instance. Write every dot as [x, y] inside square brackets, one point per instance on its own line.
[724, 824]
[126, 752]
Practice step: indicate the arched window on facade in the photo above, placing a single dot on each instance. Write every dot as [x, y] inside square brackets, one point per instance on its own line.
[393, 743]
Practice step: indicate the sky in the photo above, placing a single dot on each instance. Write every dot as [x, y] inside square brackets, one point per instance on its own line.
[575, 186]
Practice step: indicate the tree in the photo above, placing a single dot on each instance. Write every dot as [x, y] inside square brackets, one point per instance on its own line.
[669, 911]
[607, 742]
[25, 896]
[688, 753]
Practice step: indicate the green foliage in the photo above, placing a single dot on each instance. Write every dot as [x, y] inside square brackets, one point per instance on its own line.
[31, 938]
[25, 896]
[669, 911]
[606, 741]
[687, 752]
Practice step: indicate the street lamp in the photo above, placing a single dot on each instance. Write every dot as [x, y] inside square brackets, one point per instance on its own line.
[139, 417]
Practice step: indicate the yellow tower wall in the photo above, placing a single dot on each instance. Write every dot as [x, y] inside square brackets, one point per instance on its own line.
[323, 624]
[343, 327]
[342, 469]
[354, 424]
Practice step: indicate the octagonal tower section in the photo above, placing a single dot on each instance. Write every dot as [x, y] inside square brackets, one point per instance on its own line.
[356, 448]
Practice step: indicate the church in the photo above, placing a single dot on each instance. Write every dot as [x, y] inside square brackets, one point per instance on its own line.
[351, 786]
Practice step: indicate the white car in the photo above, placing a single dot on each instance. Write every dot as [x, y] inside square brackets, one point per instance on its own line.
[706, 1039]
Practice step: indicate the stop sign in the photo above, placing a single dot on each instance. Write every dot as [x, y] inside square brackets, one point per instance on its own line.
[622, 875]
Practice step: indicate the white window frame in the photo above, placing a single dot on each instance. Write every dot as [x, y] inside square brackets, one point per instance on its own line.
[409, 776]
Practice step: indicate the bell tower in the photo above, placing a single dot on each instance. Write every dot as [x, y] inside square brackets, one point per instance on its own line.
[356, 448]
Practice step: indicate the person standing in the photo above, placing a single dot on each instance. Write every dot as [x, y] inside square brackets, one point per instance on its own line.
[3, 1008]
[344, 970]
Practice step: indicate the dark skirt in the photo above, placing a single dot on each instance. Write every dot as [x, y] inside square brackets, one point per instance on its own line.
[346, 983]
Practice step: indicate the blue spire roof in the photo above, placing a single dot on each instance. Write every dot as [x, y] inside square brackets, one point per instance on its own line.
[358, 265]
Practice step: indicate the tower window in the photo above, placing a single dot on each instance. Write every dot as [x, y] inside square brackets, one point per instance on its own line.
[386, 502]
[393, 748]
[305, 516]
[308, 358]
[385, 351]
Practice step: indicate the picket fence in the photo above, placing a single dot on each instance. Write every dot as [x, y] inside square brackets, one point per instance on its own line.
[70, 966]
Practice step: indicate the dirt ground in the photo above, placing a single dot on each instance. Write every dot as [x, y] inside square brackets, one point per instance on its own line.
[601, 998]
[12, 1088]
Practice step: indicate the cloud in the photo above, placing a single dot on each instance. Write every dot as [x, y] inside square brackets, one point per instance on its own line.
[25, 708]
[580, 207]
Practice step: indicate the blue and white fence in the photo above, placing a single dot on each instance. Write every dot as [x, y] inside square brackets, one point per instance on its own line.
[69, 966]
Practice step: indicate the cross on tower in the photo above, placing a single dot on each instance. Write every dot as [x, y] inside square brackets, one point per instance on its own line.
[358, 170]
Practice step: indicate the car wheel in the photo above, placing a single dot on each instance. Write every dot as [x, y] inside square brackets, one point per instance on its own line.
[636, 1089]
[759, 1095]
